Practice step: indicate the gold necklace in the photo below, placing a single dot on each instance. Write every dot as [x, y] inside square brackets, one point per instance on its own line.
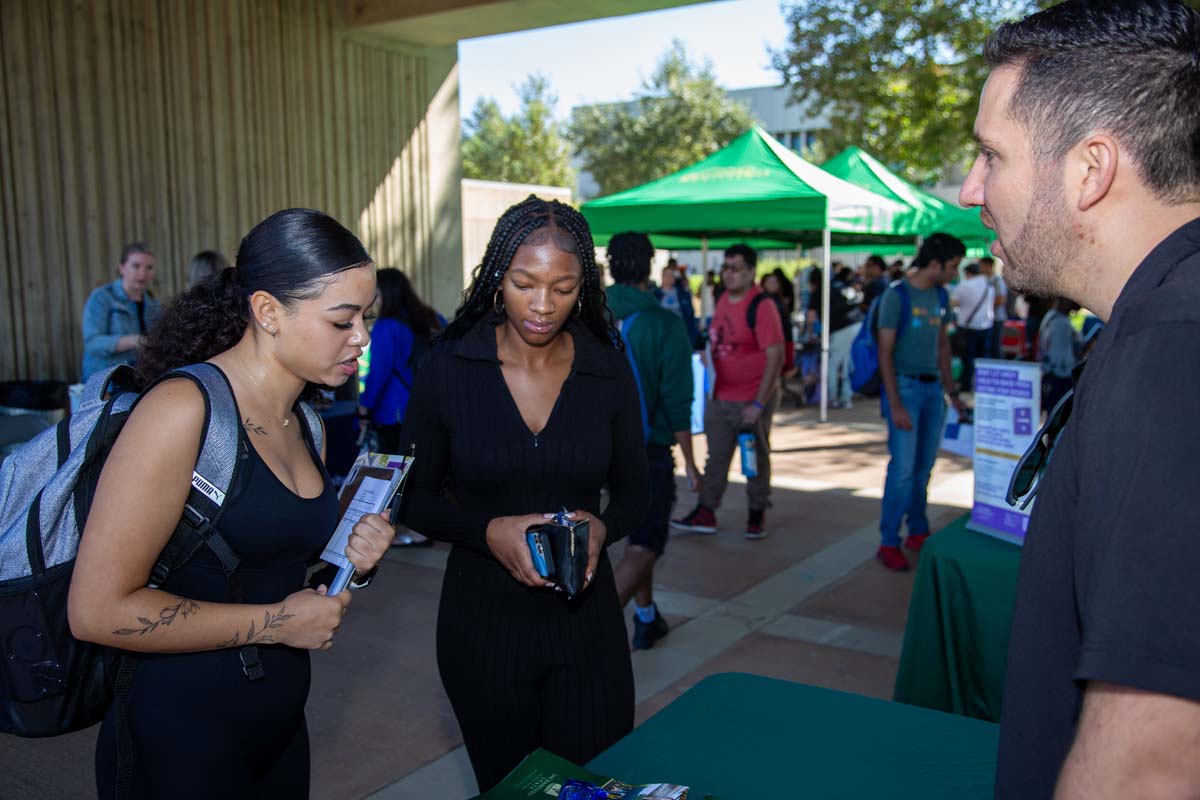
[258, 387]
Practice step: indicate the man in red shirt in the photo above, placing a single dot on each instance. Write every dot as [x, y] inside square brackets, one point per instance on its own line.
[747, 359]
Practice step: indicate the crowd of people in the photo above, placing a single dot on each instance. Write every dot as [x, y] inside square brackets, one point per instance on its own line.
[547, 390]
[539, 339]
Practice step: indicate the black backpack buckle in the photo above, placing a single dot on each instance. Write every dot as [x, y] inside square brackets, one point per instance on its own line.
[194, 518]
[252, 667]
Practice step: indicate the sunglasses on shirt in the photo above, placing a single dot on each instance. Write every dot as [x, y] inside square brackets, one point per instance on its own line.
[1028, 475]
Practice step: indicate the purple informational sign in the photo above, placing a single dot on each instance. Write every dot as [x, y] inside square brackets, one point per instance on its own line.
[1007, 415]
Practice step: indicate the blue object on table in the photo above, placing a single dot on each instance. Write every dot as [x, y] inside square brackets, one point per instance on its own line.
[581, 790]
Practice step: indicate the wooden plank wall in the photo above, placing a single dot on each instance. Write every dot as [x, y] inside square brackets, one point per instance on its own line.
[182, 123]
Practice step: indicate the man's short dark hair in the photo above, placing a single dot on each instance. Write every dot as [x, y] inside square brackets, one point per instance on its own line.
[987, 260]
[745, 251]
[877, 260]
[972, 268]
[939, 247]
[629, 257]
[1129, 67]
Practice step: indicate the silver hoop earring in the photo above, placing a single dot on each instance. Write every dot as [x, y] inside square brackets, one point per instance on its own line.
[498, 301]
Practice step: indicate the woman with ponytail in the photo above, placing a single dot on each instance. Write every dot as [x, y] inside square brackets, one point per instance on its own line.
[290, 315]
[525, 407]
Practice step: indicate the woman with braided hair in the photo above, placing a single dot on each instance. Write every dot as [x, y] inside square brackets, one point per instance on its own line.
[526, 406]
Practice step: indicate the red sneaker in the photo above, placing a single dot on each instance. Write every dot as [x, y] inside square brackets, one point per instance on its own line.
[916, 541]
[892, 558]
[700, 520]
[754, 526]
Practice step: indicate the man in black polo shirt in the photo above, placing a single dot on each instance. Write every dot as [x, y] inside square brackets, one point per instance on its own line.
[1089, 171]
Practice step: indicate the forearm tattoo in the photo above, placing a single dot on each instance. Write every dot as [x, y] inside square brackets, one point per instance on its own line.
[256, 635]
[184, 608]
[250, 426]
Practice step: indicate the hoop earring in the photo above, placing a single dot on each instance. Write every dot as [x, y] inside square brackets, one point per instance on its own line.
[498, 301]
[578, 307]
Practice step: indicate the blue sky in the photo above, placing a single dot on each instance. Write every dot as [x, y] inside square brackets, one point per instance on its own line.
[605, 60]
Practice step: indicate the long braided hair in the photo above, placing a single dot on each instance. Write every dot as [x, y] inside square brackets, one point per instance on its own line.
[552, 221]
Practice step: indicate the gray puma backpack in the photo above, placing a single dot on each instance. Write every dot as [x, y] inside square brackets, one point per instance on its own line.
[50, 682]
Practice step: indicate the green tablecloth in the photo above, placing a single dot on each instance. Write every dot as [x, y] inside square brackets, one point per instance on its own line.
[746, 737]
[956, 639]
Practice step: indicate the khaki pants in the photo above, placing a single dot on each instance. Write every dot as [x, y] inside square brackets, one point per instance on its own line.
[722, 424]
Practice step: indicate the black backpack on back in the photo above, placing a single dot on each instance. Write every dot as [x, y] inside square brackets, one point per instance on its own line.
[50, 682]
[752, 314]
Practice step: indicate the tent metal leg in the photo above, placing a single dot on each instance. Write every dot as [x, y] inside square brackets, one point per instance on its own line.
[826, 282]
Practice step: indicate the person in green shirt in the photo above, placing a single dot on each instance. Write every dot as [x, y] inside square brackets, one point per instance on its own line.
[914, 364]
[659, 351]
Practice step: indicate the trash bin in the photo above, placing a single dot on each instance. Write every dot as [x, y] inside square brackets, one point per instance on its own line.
[46, 399]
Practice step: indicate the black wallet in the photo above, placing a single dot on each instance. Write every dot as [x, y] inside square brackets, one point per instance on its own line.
[560, 552]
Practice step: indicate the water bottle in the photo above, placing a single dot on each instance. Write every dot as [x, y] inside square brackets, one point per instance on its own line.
[749, 450]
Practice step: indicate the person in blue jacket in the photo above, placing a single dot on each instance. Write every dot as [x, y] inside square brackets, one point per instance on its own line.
[118, 314]
[398, 341]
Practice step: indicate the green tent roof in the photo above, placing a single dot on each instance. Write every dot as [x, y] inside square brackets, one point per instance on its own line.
[753, 188]
[858, 167]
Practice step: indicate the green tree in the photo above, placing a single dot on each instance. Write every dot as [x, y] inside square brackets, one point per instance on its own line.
[528, 147]
[900, 78]
[679, 116]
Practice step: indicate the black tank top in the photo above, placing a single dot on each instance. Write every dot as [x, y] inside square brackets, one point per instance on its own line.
[276, 533]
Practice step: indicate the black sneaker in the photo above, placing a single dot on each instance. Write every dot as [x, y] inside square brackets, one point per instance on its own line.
[645, 634]
[754, 526]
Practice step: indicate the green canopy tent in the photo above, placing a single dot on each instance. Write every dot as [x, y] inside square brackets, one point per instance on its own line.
[860, 168]
[755, 188]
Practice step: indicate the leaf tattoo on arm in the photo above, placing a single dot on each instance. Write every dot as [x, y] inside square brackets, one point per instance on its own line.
[166, 616]
[256, 635]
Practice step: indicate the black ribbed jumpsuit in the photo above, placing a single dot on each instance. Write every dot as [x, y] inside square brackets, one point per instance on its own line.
[199, 727]
[524, 667]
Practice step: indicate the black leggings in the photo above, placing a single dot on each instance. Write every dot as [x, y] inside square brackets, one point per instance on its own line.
[525, 668]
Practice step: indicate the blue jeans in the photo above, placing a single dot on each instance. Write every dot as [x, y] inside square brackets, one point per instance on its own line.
[913, 453]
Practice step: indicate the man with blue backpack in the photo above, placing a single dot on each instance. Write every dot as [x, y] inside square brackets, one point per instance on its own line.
[914, 368]
[656, 343]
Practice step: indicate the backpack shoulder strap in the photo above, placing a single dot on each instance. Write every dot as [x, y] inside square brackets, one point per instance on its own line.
[212, 476]
[901, 288]
[752, 311]
[312, 421]
[625, 327]
[943, 300]
[216, 469]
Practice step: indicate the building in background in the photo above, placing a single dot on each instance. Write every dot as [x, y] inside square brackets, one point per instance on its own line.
[482, 204]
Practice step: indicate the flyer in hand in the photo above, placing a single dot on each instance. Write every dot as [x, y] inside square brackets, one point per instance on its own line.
[372, 486]
[545, 776]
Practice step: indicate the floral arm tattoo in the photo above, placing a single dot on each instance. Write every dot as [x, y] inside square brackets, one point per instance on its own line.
[256, 635]
[184, 608]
